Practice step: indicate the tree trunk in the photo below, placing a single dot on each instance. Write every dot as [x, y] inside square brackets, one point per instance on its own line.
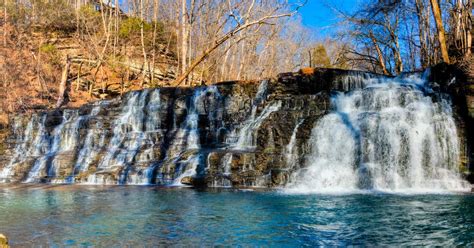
[224, 63]
[466, 26]
[224, 38]
[398, 56]
[242, 60]
[440, 27]
[116, 28]
[155, 20]
[65, 85]
[422, 29]
[5, 19]
[184, 36]
[146, 66]
[469, 29]
[379, 54]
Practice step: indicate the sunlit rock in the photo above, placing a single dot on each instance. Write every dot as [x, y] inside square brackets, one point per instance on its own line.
[317, 127]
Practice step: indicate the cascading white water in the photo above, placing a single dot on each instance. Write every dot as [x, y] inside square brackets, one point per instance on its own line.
[187, 137]
[246, 136]
[225, 172]
[357, 80]
[136, 126]
[381, 134]
[127, 132]
[189, 169]
[152, 133]
[389, 137]
[291, 154]
[22, 150]
[63, 140]
[92, 144]
[65, 143]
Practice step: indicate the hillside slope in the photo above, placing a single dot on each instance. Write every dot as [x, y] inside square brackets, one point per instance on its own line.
[31, 64]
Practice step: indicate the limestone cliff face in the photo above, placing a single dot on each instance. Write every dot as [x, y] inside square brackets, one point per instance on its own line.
[231, 134]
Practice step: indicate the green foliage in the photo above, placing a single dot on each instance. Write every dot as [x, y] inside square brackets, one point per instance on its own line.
[320, 57]
[56, 15]
[50, 15]
[87, 12]
[269, 150]
[18, 13]
[90, 20]
[161, 36]
[48, 48]
[131, 26]
[51, 52]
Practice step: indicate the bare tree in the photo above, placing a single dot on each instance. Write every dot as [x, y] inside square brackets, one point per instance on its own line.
[5, 22]
[64, 85]
[242, 22]
[440, 27]
[184, 35]
[379, 54]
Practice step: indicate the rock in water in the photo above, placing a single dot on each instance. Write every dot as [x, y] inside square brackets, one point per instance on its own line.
[187, 180]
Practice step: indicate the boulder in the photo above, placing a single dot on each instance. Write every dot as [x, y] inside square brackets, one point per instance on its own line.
[187, 181]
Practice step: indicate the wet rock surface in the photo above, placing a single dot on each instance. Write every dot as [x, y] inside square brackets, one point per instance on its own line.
[457, 80]
[231, 134]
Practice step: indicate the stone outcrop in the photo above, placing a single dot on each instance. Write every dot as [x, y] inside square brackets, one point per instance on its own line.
[231, 134]
[457, 80]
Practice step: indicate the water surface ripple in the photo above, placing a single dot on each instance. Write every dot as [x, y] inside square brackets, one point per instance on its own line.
[150, 216]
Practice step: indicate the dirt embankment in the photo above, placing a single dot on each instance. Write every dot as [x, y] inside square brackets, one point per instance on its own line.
[31, 64]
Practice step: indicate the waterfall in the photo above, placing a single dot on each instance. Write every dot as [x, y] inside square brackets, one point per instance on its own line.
[185, 148]
[223, 181]
[368, 133]
[291, 155]
[357, 80]
[189, 170]
[63, 140]
[245, 140]
[22, 150]
[128, 136]
[92, 145]
[246, 136]
[389, 136]
[135, 134]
